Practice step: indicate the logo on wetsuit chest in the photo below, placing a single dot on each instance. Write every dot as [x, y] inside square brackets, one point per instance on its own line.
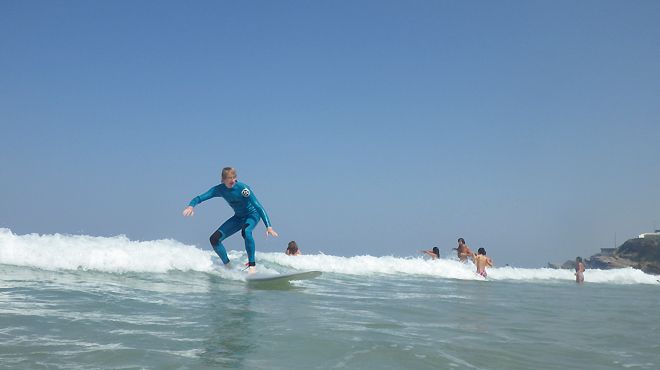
[245, 193]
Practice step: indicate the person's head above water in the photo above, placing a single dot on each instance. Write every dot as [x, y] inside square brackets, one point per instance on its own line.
[481, 251]
[436, 250]
[292, 248]
[229, 177]
[461, 241]
[578, 259]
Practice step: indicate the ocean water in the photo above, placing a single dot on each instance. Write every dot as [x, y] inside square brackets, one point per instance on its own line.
[85, 302]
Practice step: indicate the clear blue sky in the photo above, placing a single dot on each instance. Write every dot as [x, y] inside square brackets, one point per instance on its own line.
[530, 128]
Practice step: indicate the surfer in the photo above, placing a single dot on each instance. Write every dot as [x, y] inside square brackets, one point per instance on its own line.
[247, 212]
[292, 249]
[434, 253]
[579, 270]
[482, 261]
[463, 251]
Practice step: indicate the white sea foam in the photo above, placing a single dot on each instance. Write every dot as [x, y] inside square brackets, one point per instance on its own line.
[107, 254]
[448, 268]
[119, 254]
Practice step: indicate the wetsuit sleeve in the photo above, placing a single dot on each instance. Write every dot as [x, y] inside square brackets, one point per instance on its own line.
[260, 209]
[212, 193]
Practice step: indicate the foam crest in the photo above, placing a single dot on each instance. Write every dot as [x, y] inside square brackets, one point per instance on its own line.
[115, 254]
[370, 265]
[447, 268]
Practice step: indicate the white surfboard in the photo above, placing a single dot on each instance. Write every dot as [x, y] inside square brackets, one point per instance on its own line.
[282, 277]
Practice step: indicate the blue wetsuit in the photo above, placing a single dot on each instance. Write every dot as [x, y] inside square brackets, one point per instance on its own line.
[247, 212]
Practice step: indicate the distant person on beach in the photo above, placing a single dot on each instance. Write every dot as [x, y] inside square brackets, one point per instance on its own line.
[434, 253]
[463, 251]
[247, 213]
[292, 249]
[482, 261]
[579, 270]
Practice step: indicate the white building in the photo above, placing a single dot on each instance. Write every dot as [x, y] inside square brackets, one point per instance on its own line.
[657, 232]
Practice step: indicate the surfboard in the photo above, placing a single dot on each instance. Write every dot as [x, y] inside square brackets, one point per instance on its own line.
[282, 277]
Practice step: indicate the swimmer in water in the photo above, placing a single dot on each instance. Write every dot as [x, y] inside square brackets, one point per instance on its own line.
[434, 253]
[292, 249]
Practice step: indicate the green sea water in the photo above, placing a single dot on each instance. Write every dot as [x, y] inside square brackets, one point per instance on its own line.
[87, 319]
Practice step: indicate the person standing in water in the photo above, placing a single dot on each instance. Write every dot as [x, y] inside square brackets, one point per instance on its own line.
[247, 213]
[579, 270]
[463, 251]
[482, 261]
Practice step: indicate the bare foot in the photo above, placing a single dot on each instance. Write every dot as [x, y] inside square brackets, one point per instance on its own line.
[252, 270]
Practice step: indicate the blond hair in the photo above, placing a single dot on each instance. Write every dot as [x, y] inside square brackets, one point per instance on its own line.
[227, 172]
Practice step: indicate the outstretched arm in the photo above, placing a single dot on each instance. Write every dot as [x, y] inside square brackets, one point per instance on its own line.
[189, 211]
[262, 214]
[430, 253]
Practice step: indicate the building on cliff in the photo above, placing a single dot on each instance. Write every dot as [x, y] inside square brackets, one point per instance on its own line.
[607, 251]
[656, 233]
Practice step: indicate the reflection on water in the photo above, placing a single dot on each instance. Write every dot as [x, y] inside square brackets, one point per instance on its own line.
[231, 322]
